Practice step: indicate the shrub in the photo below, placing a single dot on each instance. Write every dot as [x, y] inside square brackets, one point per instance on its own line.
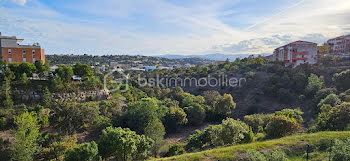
[175, 149]
[26, 134]
[140, 113]
[223, 106]
[341, 150]
[277, 155]
[257, 121]
[331, 99]
[253, 155]
[336, 118]
[229, 132]
[233, 132]
[280, 126]
[195, 114]
[3, 122]
[323, 93]
[342, 79]
[57, 150]
[69, 117]
[294, 114]
[84, 152]
[123, 144]
[315, 84]
[175, 118]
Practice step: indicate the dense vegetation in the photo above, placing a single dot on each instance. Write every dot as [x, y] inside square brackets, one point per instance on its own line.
[136, 124]
[124, 59]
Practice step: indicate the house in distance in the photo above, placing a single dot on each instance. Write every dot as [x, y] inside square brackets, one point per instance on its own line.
[296, 53]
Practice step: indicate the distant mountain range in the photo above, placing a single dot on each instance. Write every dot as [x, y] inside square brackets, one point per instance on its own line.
[216, 57]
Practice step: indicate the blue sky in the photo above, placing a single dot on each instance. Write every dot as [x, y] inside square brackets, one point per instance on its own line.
[154, 27]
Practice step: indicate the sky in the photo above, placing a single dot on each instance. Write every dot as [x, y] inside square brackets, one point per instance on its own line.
[184, 27]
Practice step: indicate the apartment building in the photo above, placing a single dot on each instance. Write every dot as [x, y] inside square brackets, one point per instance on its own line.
[296, 53]
[339, 45]
[12, 51]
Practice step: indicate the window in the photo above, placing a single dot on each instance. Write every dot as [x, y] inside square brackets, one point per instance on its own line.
[24, 51]
[33, 51]
[10, 60]
[24, 60]
[34, 60]
[9, 51]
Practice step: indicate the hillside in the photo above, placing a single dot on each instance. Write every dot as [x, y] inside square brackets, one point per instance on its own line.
[295, 145]
[216, 56]
[126, 60]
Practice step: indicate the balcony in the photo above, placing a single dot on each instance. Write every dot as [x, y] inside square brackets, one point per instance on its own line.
[299, 58]
[300, 53]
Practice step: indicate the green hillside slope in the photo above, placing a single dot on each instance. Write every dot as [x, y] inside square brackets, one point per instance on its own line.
[294, 146]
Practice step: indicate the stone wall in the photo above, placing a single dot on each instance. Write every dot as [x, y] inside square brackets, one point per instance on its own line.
[83, 96]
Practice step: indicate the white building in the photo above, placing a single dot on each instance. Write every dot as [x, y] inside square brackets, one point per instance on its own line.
[296, 53]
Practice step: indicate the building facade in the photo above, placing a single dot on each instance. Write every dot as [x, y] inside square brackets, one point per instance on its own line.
[11, 51]
[339, 45]
[296, 53]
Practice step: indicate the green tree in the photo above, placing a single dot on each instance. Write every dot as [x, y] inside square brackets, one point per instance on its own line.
[224, 105]
[26, 135]
[195, 114]
[141, 113]
[56, 84]
[156, 131]
[58, 149]
[174, 119]
[257, 121]
[342, 79]
[123, 144]
[82, 70]
[40, 68]
[323, 93]
[9, 74]
[65, 73]
[315, 84]
[211, 97]
[14, 67]
[294, 114]
[27, 68]
[233, 132]
[5, 94]
[69, 117]
[331, 99]
[280, 126]
[324, 48]
[229, 132]
[83, 152]
[46, 98]
[24, 80]
[334, 118]
[175, 149]
[341, 150]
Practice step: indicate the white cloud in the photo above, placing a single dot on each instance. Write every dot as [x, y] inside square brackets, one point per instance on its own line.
[20, 2]
[110, 26]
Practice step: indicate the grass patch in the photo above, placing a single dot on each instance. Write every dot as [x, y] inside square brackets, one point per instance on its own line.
[295, 146]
